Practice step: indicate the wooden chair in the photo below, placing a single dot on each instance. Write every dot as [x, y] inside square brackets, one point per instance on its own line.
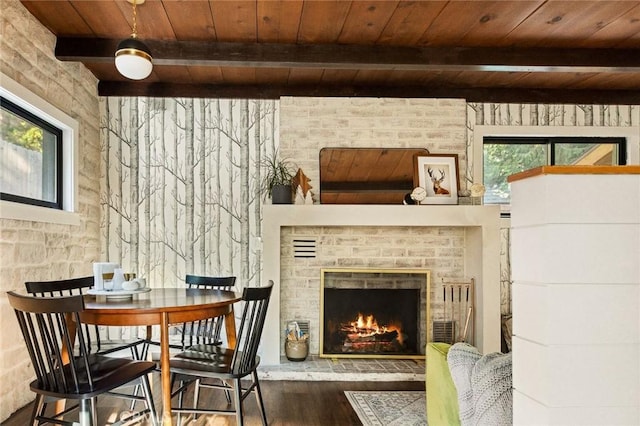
[64, 367]
[229, 365]
[74, 286]
[206, 331]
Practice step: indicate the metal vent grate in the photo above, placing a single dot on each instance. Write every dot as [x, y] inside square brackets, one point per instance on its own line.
[444, 331]
[304, 247]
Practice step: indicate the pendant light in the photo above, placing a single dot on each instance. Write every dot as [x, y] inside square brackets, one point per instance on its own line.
[133, 57]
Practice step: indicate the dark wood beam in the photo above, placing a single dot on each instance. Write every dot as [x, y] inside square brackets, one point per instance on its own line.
[368, 57]
[488, 94]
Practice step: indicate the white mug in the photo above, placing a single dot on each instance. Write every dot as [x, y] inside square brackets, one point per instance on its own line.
[142, 283]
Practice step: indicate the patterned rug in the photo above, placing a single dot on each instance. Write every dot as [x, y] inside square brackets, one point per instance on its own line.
[391, 408]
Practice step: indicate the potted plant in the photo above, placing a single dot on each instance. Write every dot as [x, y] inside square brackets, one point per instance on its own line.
[277, 179]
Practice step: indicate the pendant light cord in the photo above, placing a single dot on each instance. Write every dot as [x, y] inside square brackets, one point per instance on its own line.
[135, 27]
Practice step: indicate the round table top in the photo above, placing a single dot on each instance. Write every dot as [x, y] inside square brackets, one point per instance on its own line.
[163, 300]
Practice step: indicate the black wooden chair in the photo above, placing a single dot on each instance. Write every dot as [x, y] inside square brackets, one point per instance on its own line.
[229, 365]
[95, 342]
[205, 331]
[65, 369]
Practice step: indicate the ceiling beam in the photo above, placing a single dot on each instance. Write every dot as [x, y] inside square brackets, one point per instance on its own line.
[368, 57]
[270, 91]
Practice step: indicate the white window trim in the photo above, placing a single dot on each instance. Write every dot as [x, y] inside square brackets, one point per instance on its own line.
[31, 102]
[631, 133]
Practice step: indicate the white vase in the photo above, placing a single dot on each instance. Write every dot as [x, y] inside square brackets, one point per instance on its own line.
[118, 278]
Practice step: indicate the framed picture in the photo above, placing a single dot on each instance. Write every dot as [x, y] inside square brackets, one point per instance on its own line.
[438, 175]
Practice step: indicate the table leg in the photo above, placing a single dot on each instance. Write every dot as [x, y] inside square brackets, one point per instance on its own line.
[230, 328]
[165, 374]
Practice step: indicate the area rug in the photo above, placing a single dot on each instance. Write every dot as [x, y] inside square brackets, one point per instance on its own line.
[390, 408]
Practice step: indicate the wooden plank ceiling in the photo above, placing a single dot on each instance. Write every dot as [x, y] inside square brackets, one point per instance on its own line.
[492, 51]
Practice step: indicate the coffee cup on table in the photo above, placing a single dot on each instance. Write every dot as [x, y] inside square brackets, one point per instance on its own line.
[107, 281]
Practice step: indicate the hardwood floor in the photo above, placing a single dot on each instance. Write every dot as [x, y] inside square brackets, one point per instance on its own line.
[291, 403]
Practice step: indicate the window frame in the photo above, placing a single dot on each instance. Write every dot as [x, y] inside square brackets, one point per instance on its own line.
[34, 104]
[59, 161]
[552, 141]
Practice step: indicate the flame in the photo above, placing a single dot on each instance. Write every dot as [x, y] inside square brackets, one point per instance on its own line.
[368, 326]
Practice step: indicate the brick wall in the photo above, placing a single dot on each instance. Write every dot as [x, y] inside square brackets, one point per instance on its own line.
[310, 124]
[38, 250]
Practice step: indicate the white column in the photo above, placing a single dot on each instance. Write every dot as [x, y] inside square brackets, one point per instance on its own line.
[575, 250]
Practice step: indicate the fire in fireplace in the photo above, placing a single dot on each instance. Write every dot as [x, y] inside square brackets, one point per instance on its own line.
[380, 317]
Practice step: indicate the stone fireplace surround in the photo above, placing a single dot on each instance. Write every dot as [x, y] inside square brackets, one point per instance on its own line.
[480, 227]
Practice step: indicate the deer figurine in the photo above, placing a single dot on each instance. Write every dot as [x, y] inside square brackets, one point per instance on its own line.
[439, 190]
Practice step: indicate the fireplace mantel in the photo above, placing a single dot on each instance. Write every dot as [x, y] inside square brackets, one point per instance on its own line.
[482, 254]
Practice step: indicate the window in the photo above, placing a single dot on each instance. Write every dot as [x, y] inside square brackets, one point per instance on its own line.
[53, 198]
[30, 158]
[504, 156]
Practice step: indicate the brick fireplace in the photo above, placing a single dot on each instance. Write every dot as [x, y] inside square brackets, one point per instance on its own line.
[450, 241]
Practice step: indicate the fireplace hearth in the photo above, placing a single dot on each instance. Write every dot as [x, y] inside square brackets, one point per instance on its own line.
[374, 313]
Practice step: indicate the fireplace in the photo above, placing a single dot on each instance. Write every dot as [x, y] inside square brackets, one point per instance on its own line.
[401, 236]
[379, 313]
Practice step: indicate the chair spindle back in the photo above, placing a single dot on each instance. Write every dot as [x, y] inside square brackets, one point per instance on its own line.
[256, 302]
[48, 325]
[205, 331]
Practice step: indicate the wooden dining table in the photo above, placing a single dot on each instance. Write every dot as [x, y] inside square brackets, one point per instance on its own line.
[163, 307]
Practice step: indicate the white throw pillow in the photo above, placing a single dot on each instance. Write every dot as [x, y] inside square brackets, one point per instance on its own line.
[462, 358]
[491, 383]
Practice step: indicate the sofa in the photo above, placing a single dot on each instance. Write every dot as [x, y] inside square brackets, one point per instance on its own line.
[465, 387]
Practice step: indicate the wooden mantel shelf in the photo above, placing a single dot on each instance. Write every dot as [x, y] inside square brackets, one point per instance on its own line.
[575, 170]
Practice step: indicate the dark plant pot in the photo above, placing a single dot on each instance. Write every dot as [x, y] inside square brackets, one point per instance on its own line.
[281, 194]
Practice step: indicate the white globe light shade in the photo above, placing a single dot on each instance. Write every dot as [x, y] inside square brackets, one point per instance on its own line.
[133, 59]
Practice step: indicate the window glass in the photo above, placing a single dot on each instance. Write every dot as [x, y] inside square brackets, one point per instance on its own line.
[501, 160]
[506, 156]
[30, 158]
[586, 154]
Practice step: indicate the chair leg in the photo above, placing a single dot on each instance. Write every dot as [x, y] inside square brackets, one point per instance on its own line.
[180, 400]
[38, 409]
[227, 389]
[148, 397]
[259, 400]
[85, 416]
[196, 396]
[237, 394]
[94, 410]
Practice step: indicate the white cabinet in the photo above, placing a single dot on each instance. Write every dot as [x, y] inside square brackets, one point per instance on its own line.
[575, 251]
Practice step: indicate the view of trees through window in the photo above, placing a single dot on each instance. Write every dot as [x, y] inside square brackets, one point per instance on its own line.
[506, 156]
[29, 157]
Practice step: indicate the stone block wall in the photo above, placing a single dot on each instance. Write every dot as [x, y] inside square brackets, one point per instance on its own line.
[39, 250]
[309, 124]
